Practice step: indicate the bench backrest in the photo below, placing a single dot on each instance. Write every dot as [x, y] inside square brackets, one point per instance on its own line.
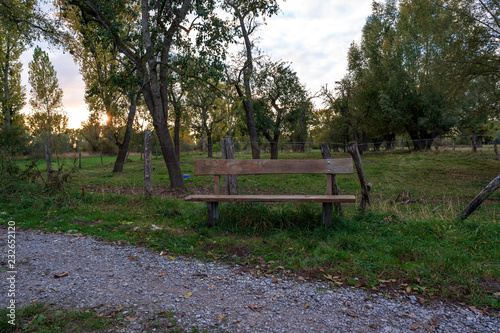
[261, 167]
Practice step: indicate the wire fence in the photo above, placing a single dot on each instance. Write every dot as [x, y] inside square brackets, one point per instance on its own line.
[486, 146]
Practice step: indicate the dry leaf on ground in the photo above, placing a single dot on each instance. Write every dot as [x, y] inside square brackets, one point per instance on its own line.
[255, 308]
[60, 275]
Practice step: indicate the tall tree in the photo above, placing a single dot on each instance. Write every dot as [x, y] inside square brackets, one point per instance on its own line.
[12, 97]
[162, 27]
[281, 101]
[46, 98]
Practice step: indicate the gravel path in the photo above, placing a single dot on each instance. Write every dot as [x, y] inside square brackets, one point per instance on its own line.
[146, 288]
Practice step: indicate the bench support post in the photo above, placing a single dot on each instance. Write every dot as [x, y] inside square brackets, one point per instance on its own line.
[327, 214]
[213, 212]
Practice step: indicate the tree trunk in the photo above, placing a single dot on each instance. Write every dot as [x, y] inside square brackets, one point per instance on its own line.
[247, 96]
[160, 124]
[478, 200]
[473, 143]
[123, 147]
[177, 130]
[148, 186]
[48, 161]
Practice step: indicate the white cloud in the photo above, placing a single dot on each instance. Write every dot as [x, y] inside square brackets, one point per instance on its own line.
[315, 35]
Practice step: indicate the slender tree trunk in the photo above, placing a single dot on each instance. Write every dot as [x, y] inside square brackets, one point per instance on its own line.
[247, 96]
[177, 136]
[148, 185]
[6, 103]
[48, 160]
[123, 147]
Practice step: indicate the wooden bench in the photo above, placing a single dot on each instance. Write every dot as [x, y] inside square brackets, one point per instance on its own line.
[217, 168]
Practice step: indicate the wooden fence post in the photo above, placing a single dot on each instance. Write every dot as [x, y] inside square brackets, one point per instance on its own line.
[495, 148]
[148, 186]
[478, 200]
[228, 153]
[332, 187]
[352, 148]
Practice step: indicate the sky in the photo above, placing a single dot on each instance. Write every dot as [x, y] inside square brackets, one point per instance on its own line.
[313, 35]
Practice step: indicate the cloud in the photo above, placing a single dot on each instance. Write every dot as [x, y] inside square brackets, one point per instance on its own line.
[315, 36]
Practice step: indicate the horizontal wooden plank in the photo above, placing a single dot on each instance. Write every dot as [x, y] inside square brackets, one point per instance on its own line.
[261, 167]
[271, 198]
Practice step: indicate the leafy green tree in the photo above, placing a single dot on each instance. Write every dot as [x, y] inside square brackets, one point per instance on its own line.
[281, 99]
[46, 101]
[13, 95]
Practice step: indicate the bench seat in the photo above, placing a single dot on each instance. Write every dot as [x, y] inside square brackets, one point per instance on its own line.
[271, 198]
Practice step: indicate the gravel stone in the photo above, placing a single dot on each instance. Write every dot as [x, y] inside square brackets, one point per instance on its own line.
[211, 296]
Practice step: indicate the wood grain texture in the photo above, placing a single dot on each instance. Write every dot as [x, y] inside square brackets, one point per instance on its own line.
[271, 198]
[261, 167]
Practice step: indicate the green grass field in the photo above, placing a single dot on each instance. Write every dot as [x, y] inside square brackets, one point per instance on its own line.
[418, 248]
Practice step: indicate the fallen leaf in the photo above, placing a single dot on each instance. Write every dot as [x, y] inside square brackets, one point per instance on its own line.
[476, 310]
[295, 298]
[155, 227]
[496, 294]
[408, 290]
[384, 281]
[237, 321]
[275, 280]
[414, 327]
[339, 283]
[427, 328]
[300, 278]
[100, 314]
[222, 317]
[421, 300]
[189, 294]
[352, 315]
[161, 253]
[306, 305]
[131, 318]
[255, 308]
[218, 278]
[162, 274]
[54, 288]
[406, 315]
[171, 258]
[60, 275]
[132, 257]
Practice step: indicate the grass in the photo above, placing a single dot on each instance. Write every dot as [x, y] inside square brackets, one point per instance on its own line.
[41, 318]
[419, 248]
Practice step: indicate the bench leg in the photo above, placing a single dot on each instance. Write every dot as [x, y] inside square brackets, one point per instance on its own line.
[213, 212]
[327, 214]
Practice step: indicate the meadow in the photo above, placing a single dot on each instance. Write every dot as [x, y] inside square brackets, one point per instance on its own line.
[398, 246]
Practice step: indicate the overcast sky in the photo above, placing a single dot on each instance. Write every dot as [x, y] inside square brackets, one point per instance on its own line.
[313, 35]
